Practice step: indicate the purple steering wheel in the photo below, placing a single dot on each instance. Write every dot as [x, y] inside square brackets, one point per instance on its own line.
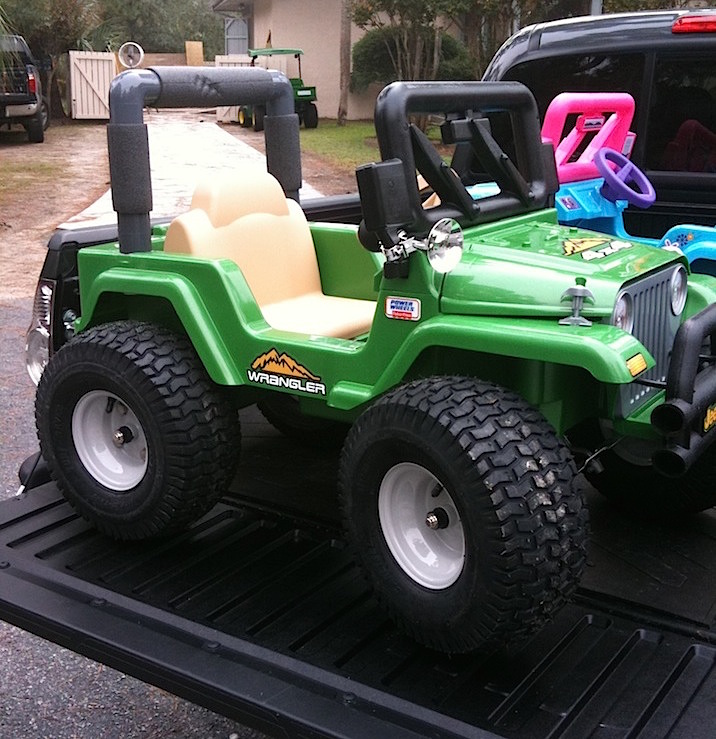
[627, 182]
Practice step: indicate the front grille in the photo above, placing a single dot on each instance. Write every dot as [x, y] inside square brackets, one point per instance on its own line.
[655, 326]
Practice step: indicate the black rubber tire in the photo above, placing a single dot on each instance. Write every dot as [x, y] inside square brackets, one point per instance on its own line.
[519, 498]
[259, 113]
[245, 117]
[310, 116]
[35, 129]
[45, 114]
[641, 490]
[283, 413]
[191, 427]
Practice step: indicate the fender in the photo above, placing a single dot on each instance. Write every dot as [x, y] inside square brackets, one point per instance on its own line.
[603, 350]
[200, 299]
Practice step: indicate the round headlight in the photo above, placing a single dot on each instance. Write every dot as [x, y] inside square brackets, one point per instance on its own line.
[623, 316]
[679, 288]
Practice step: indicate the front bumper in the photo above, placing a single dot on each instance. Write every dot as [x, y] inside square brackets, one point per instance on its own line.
[687, 418]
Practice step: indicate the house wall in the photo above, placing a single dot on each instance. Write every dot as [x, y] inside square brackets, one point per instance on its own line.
[313, 26]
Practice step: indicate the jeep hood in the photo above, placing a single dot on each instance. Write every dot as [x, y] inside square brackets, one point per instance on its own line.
[523, 267]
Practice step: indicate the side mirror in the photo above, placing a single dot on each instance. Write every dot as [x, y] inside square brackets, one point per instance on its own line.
[385, 203]
[444, 245]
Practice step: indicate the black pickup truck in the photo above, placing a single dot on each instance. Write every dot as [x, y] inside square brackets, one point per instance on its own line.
[20, 89]
[258, 613]
[666, 60]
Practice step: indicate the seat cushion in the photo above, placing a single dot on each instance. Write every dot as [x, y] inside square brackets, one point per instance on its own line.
[274, 250]
[321, 315]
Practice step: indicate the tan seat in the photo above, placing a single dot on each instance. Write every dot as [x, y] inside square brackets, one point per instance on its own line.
[267, 235]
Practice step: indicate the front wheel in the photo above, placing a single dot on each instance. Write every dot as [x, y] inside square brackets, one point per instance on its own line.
[138, 438]
[258, 118]
[464, 510]
[245, 117]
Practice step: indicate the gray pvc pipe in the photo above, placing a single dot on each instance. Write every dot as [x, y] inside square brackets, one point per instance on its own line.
[186, 87]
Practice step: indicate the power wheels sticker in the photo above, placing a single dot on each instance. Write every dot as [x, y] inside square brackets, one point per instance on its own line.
[402, 309]
[281, 370]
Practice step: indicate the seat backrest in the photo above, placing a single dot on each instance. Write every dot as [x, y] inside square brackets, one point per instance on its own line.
[593, 129]
[224, 197]
[270, 239]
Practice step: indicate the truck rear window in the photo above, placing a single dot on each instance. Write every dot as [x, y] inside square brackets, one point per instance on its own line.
[546, 78]
[681, 134]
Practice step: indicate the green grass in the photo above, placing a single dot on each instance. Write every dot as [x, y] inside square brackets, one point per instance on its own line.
[25, 178]
[342, 146]
[350, 145]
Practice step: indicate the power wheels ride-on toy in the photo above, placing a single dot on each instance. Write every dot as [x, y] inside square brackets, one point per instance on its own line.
[304, 95]
[592, 141]
[465, 345]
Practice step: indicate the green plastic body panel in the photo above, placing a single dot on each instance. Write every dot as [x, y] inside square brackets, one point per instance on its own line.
[507, 329]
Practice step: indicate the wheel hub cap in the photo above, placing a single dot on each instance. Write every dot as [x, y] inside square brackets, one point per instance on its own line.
[426, 540]
[109, 440]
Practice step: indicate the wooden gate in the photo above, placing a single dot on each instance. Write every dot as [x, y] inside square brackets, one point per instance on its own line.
[90, 75]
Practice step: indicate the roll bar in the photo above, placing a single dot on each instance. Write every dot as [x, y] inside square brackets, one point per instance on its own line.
[190, 87]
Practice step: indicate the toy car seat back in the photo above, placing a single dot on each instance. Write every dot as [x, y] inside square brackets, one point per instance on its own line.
[224, 202]
[269, 239]
[603, 120]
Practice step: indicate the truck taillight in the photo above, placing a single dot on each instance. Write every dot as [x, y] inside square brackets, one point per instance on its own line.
[695, 24]
[39, 339]
[31, 83]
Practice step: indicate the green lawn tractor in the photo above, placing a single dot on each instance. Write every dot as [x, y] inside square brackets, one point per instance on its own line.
[304, 95]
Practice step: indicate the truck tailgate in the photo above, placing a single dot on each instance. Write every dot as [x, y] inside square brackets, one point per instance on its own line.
[258, 612]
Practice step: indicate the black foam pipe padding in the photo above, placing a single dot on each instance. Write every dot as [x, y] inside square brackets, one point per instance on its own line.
[283, 151]
[185, 87]
[128, 146]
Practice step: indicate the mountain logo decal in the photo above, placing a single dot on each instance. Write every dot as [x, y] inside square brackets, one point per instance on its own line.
[283, 371]
[576, 246]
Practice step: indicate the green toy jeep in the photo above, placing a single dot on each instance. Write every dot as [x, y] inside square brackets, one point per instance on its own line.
[473, 348]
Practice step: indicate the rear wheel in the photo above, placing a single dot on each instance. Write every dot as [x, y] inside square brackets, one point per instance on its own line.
[137, 436]
[464, 510]
[45, 112]
[310, 116]
[35, 129]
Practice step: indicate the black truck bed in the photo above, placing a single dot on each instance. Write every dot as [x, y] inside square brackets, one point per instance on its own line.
[257, 612]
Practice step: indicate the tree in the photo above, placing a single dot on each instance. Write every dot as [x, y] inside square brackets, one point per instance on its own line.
[164, 26]
[345, 62]
[53, 27]
[373, 60]
[413, 32]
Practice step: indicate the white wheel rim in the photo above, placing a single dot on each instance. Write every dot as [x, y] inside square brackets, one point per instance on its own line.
[109, 440]
[433, 558]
